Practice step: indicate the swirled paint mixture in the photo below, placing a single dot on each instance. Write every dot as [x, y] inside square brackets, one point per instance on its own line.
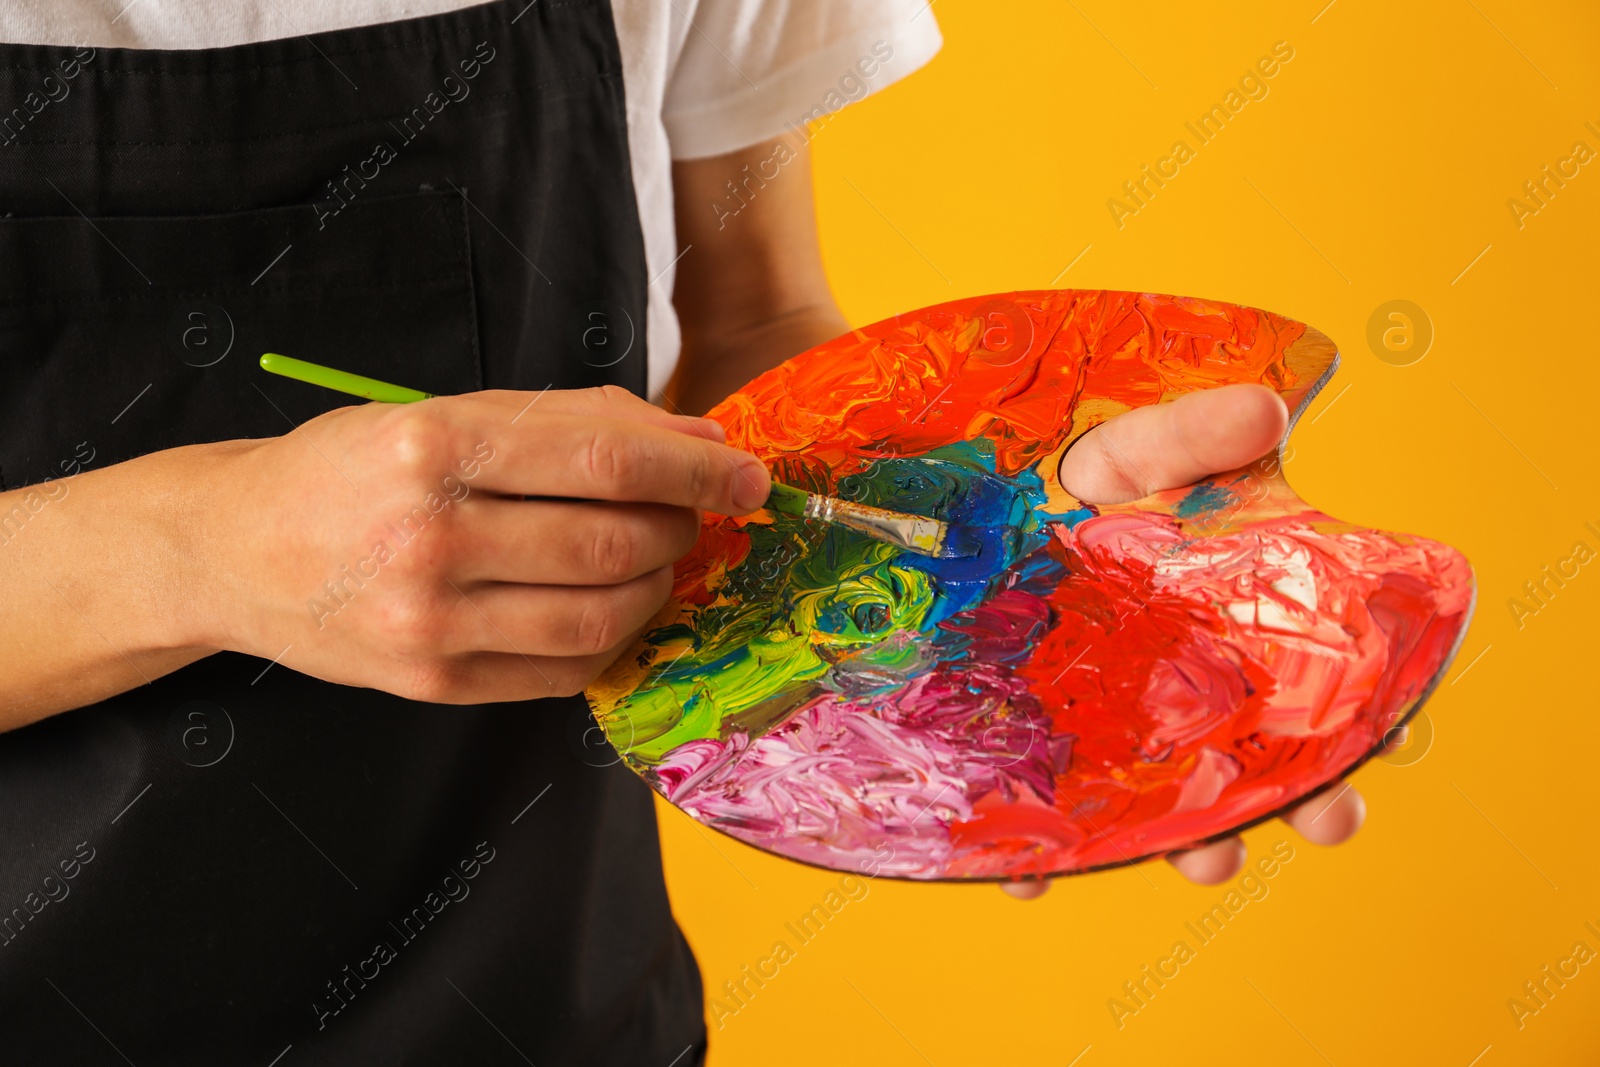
[1097, 685]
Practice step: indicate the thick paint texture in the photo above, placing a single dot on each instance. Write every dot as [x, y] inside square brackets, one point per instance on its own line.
[1095, 685]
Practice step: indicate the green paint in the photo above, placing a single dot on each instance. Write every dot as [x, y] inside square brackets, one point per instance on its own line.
[845, 598]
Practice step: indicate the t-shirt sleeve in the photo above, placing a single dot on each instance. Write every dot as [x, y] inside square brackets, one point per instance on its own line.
[749, 69]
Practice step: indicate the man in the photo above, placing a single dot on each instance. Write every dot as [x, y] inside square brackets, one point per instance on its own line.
[239, 821]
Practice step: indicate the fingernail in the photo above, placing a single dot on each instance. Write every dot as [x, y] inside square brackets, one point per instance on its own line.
[751, 485]
[713, 429]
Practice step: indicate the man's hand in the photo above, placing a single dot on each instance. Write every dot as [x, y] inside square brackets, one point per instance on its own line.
[1165, 446]
[390, 546]
[386, 546]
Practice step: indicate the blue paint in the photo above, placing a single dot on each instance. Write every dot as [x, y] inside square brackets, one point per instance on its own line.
[1204, 499]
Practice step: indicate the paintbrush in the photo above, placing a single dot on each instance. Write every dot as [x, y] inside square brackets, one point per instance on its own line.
[914, 533]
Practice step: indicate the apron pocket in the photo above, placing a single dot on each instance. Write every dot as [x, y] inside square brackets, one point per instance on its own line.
[121, 336]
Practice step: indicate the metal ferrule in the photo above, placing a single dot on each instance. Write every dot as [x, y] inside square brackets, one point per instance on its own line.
[914, 533]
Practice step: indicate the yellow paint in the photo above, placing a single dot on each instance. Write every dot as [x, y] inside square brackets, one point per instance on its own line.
[1392, 143]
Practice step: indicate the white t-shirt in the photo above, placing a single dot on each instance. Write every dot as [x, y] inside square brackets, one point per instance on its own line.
[703, 77]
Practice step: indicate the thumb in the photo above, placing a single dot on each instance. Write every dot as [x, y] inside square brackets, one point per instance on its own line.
[1165, 446]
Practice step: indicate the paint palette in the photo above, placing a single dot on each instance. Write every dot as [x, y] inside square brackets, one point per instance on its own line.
[1100, 684]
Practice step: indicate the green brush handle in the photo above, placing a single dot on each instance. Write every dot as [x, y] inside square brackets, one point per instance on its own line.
[784, 498]
[340, 381]
[787, 499]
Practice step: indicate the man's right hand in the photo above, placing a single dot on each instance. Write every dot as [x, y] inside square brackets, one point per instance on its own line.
[385, 546]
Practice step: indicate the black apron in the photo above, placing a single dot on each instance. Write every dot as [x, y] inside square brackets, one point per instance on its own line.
[237, 862]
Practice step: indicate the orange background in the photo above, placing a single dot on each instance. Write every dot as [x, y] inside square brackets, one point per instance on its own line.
[1378, 167]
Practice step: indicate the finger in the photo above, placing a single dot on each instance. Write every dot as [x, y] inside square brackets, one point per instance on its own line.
[1030, 890]
[607, 401]
[494, 677]
[1329, 818]
[570, 543]
[1210, 864]
[1164, 446]
[499, 677]
[553, 620]
[590, 458]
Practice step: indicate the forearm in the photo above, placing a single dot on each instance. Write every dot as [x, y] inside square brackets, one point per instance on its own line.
[750, 289]
[92, 570]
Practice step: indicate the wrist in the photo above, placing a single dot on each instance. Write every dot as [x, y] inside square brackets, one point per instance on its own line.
[184, 512]
[712, 367]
